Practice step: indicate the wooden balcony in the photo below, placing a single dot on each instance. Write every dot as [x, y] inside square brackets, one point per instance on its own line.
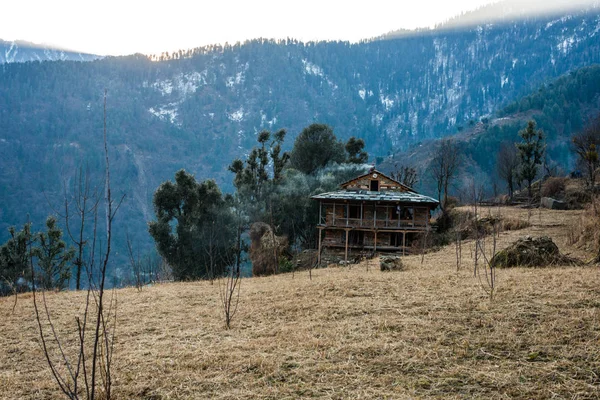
[379, 224]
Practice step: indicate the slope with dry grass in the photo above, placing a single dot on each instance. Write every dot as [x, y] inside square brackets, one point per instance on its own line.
[429, 331]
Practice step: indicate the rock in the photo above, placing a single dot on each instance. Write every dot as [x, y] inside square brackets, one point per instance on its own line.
[553, 204]
[531, 252]
[391, 263]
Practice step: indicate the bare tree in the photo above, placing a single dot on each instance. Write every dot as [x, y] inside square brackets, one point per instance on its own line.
[92, 363]
[446, 160]
[405, 174]
[230, 289]
[86, 201]
[586, 146]
[507, 166]
[136, 265]
[488, 268]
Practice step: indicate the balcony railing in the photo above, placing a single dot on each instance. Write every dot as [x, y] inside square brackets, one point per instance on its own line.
[411, 223]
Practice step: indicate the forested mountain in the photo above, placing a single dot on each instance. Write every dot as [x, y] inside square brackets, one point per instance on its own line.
[21, 51]
[560, 108]
[200, 109]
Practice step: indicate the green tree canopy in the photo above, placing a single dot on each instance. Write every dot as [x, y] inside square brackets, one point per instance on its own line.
[14, 260]
[355, 149]
[314, 148]
[252, 179]
[531, 153]
[194, 227]
[53, 257]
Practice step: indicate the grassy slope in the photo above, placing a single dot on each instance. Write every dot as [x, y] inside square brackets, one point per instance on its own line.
[427, 332]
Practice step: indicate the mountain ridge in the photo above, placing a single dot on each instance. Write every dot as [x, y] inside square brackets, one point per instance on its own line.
[12, 51]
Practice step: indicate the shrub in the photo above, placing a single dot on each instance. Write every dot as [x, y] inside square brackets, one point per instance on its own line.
[553, 187]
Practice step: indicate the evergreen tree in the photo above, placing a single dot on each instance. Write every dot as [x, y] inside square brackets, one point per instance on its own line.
[355, 149]
[253, 181]
[531, 152]
[314, 148]
[193, 230]
[14, 260]
[53, 257]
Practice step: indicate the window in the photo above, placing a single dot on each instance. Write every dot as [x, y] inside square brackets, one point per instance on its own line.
[354, 212]
[374, 186]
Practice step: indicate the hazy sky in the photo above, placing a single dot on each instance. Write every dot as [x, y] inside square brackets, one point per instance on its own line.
[128, 26]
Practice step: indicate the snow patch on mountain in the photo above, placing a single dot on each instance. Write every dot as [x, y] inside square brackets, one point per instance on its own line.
[239, 77]
[264, 121]
[312, 69]
[167, 112]
[182, 84]
[386, 101]
[237, 116]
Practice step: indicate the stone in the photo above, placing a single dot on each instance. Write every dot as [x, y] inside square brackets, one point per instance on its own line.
[391, 263]
[553, 204]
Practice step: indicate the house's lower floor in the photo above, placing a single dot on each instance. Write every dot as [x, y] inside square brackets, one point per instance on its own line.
[368, 240]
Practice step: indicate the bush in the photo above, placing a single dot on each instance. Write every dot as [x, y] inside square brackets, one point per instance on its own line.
[585, 231]
[553, 187]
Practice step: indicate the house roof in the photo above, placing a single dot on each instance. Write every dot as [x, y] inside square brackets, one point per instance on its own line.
[386, 196]
[372, 171]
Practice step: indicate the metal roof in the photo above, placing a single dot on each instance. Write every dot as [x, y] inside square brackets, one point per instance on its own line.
[385, 195]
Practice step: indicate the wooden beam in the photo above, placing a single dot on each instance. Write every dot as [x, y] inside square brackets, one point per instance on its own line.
[374, 216]
[403, 243]
[375, 243]
[346, 250]
[319, 251]
[361, 213]
[347, 213]
[333, 221]
[387, 215]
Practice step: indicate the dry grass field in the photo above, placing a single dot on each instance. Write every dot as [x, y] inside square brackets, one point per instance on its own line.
[427, 332]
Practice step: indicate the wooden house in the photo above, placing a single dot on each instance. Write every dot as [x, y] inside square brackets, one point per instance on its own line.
[372, 212]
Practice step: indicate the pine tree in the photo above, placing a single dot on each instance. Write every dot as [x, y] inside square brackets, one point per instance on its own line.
[53, 257]
[14, 260]
[531, 152]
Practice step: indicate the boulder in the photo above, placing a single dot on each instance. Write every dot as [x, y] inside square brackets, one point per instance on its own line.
[532, 252]
[391, 263]
[553, 204]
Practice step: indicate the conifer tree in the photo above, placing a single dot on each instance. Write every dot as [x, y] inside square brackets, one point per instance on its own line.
[531, 152]
[14, 260]
[53, 257]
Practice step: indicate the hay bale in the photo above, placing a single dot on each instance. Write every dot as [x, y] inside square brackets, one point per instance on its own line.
[266, 249]
[531, 252]
[391, 263]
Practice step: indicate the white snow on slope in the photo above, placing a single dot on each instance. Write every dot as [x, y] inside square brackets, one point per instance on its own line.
[237, 116]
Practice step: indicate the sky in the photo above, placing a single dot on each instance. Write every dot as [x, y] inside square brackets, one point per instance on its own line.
[118, 27]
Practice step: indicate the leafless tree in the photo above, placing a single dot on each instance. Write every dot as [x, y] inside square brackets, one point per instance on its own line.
[405, 174]
[136, 265]
[507, 166]
[446, 160]
[92, 363]
[476, 193]
[586, 146]
[487, 268]
[229, 289]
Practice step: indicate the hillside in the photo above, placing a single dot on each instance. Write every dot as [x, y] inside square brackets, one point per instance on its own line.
[560, 108]
[429, 331]
[200, 109]
[18, 51]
